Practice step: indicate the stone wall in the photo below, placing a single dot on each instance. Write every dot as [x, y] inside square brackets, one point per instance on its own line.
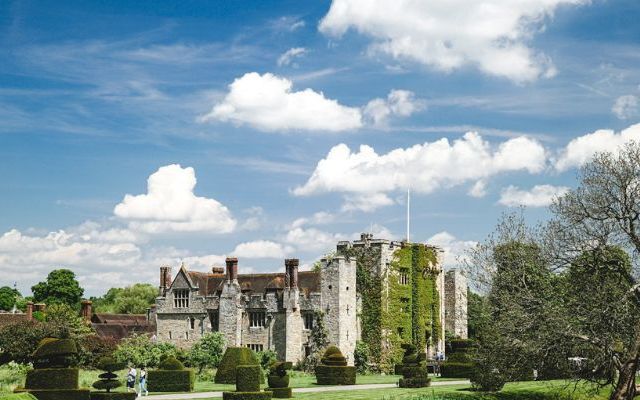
[456, 303]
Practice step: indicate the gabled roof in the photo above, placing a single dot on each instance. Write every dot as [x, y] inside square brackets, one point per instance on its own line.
[211, 284]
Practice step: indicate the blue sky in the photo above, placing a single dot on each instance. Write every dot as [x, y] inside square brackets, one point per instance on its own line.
[478, 106]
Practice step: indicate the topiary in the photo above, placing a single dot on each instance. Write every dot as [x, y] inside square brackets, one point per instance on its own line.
[247, 384]
[55, 353]
[171, 364]
[279, 379]
[333, 369]
[108, 380]
[233, 357]
[414, 368]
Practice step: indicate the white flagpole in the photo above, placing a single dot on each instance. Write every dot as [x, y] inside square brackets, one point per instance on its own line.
[408, 214]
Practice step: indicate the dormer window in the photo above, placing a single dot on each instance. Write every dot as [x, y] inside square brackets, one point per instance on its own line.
[181, 298]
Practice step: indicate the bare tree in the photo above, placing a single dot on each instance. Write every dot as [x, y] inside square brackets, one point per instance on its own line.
[604, 211]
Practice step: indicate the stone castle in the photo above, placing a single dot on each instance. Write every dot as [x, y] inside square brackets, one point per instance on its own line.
[276, 310]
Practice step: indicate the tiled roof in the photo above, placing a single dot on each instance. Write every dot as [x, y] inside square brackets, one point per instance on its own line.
[211, 284]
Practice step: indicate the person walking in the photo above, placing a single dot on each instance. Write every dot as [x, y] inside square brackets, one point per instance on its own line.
[131, 380]
[143, 382]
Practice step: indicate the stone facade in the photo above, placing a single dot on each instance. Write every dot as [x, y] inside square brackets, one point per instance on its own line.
[270, 311]
[456, 303]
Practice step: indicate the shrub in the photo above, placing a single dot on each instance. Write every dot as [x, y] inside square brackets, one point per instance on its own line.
[279, 380]
[333, 369]
[108, 380]
[171, 381]
[18, 341]
[53, 378]
[487, 379]
[112, 396]
[248, 378]
[246, 395]
[413, 368]
[266, 358]
[171, 364]
[233, 357]
[140, 350]
[53, 352]
[452, 369]
[92, 348]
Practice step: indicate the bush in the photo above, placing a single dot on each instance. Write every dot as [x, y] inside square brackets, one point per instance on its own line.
[266, 358]
[53, 378]
[413, 368]
[459, 345]
[246, 395]
[233, 357]
[112, 396]
[92, 348]
[61, 394]
[248, 378]
[452, 369]
[361, 357]
[140, 350]
[18, 341]
[51, 352]
[171, 381]
[487, 379]
[108, 380]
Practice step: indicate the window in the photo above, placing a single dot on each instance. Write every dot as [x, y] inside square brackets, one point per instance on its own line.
[403, 279]
[213, 316]
[181, 298]
[255, 347]
[192, 323]
[257, 319]
[404, 304]
[308, 321]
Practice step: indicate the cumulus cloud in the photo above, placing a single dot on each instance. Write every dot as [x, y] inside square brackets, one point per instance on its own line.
[171, 206]
[260, 249]
[479, 189]
[287, 57]
[398, 102]
[625, 107]
[538, 196]
[318, 218]
[490, 35]
[269, 103]
[424, 167]
[581, 149]
[366, 202]
[312, 239]
[454, 249]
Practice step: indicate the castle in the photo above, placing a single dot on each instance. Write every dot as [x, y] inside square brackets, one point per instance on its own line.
[276, 310]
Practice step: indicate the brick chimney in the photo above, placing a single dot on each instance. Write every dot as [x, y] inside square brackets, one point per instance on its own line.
[291, 274]
[85, 310]
[29, 310]
[217, 270]
[165, 279]
[232, 268]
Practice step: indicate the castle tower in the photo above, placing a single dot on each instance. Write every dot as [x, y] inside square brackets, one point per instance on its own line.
[338, 288]
[456, 303]
[230, 310]
[293, 317]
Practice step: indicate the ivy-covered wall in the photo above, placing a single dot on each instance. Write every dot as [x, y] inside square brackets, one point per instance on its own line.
[396, 310]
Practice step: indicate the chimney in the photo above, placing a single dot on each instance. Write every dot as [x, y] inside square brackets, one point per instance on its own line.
[29, 310]
[291, 275]
[217, 270]
[232, 268]
[165, 279]
[86, 310]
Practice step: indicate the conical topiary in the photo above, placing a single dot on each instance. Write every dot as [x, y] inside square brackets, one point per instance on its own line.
[333, 369]
[414, 368]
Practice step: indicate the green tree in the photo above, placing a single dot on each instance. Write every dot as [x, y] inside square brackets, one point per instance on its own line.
[140, 350]
[61, 286]
[207, 352]
[67, 320]
[318, 342]
[8, 298]
[477, 313]
[135, 299]
[18, 341]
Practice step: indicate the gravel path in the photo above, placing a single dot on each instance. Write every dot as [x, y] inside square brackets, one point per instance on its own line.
[209, 395]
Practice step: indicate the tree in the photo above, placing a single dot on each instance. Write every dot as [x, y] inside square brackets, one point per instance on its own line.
[18, 341]
[207, 352]
[477, 312]
[61, 286]
[133, 299]
[140, 350]
[67, 321]
[604, 210]
[318, 342]
[8, 298]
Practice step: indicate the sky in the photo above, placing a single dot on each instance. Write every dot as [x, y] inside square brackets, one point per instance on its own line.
[146, 133]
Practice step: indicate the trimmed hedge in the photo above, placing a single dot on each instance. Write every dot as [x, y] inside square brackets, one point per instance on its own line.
[112, 396]
[171, 381]
[451, 369]
[61, 394]
[413, 368]
[233, 357]
[282, 393]
[276, 381]
[171, 364]
[53, 352]
[53, 378]
[246, 395]
[248, 378]
[335, 375]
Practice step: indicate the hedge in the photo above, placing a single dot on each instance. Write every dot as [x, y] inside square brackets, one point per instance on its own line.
[276, 381]
[282, 393]
[233, 357]
[335, 375]
[55, 353]
[53, 378]
[248, 378]
[171, 364]
[456, 370]
[246, 395]
[112, 396]
[171, 381]
[61, 394]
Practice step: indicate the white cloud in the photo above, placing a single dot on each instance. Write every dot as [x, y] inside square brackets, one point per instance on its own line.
[366, 202]
[490, 35]
[625, 107]
[454, 249]
[424, 167]
[312, 239]
[581, 149]
[318, 218]
[267, 102]
[287, 57]
[398, 102]
[479, 189]
[171, 206]
[260, 249]
[538, 196]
